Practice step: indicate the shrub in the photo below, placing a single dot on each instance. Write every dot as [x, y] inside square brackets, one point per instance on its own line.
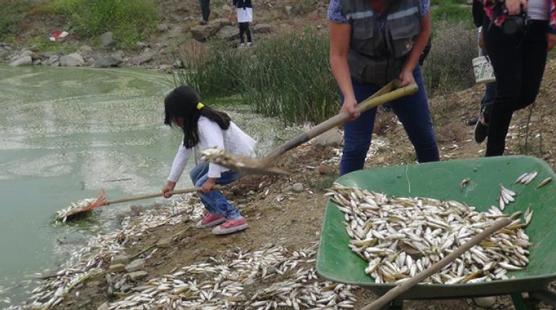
[11, 14]
[283, 77]
[449, 64]
[130, 21]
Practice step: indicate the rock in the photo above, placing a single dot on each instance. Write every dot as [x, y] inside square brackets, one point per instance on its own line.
[221, 22]
[107, 61]
[107, 39]
[53, 60]
[116, 268]
[164, 243]
[262, 28]
[138, 275]
[146, 56]
[135, 265]
[104, 306]
[297, 187]
[120, 259]
[288, 9]
[162, 27]
[72, 60]
[85, 50]
[142, 45]
[332, 137]
[228, 33]
[325, 170]
[202, 33]
[22, 61]
[485, 302]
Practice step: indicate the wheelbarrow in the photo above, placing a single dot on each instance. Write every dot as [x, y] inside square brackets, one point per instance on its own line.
[443, 180]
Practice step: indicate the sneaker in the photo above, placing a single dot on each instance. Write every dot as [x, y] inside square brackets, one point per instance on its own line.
[203, 22]
[241, 45]
[230, 226]
[481, 131]
[249, 44]
[210, 220]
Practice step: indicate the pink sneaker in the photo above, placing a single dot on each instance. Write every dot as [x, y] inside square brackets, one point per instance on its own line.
[230, 226]
[210, 220]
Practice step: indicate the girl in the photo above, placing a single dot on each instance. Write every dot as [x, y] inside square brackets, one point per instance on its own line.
[371, 43]
[205, 128]
[244, 12]
[518, 34]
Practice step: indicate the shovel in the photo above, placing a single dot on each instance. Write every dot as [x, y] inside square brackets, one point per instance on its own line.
[244, 165]
[100, 201]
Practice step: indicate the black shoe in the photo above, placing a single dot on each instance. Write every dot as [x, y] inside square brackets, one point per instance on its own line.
[481, 132]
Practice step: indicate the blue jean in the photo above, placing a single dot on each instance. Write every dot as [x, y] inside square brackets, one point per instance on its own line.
[214, 201]
[412, 111]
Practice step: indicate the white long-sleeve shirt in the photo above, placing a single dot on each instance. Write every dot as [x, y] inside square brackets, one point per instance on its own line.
[233, 140]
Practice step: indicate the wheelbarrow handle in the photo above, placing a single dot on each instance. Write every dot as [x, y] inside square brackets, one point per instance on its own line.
[406, 285]
[386, 94]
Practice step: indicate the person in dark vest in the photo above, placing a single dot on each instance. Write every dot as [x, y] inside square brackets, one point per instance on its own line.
[373, 42]
[205, 11]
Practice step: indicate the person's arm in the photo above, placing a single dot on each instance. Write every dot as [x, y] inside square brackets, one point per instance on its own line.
[551, 36]
[176, 171]
[340, 35]
[406, 76]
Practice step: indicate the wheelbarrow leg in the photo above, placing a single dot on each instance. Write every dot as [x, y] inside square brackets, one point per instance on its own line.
[521, 303]
[546, 296]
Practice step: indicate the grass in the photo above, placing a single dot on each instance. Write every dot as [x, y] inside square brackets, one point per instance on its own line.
[449, 65]
[293, 83]
[130, 21]
[12, 13]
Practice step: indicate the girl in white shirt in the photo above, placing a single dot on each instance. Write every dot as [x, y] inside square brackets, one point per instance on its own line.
[205, 128]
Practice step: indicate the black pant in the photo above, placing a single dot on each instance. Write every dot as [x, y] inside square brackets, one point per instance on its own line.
[205, 9]
[244, 29]
[518, 61]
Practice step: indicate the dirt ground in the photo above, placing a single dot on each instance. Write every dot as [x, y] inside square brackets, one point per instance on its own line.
[278, 215]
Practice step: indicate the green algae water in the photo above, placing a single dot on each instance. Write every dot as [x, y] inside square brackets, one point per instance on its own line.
[66, 133]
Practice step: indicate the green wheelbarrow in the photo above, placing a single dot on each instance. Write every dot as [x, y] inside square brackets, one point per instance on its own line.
[442, 180]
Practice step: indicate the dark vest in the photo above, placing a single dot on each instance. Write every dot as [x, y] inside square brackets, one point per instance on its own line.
[380, 44]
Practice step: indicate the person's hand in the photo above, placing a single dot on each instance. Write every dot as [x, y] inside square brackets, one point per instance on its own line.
[350, 106]
[168, 188]
[406, 78]
[516, 6]
[551, 40]
[208, 185]
[482, 39]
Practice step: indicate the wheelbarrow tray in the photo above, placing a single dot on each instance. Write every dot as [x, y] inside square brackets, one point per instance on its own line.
[441, 180]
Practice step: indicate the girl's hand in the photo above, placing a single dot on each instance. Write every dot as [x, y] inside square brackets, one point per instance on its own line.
[168, 188]
[551, 39]
[406, 78]
[349, 106]
[208, 185]
[516, 6]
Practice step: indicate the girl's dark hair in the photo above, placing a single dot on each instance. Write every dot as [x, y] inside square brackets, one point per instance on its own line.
[182, 102]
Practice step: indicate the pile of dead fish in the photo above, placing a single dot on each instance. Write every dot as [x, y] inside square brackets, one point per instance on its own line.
[266, 279]
[95, 257]
[78, 206]
[400, 237]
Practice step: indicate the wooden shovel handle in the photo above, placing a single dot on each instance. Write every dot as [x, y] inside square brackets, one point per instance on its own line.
[406, 285]
[388, 93]
[154, 195]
